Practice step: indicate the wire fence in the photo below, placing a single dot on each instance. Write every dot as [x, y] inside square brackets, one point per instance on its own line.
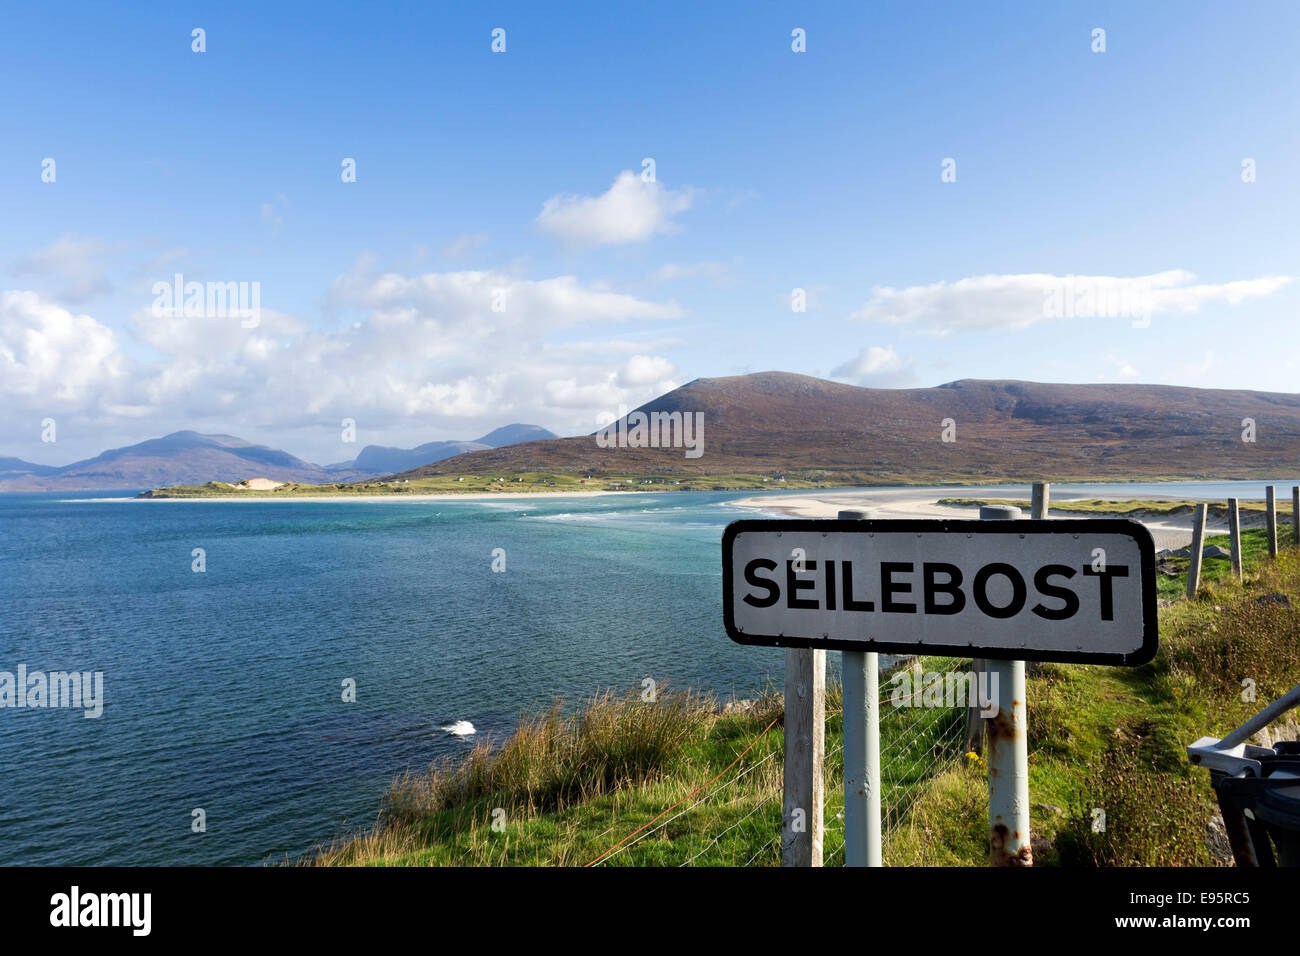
[922, 734]
[734, 819]
[692, 823]
[737, 821]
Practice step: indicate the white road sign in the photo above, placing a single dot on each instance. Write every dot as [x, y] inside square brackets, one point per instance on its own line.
[1061, 590]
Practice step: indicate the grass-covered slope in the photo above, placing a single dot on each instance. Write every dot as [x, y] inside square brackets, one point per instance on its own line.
[513, 484]
[623, 781]
[769, 422]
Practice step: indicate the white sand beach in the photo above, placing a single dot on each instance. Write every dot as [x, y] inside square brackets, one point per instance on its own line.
[1168, 532]
[451, 496]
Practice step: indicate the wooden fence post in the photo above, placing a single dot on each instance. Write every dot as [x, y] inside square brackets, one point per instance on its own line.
[805, 744]
[1198, 545]
[1270, 494]
[1234, 535]
[1295, 515]
[1038, 504]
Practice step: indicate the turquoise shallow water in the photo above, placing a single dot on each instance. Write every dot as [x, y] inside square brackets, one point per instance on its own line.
[223, 689]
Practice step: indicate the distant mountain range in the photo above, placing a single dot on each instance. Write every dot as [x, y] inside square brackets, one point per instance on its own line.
[187, 458]
[378, 460]
[775, 422]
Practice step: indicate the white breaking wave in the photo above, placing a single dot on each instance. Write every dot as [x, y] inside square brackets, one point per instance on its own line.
[460, 728]
[581, 516]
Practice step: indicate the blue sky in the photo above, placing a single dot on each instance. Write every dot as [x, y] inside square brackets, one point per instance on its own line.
[522, 172]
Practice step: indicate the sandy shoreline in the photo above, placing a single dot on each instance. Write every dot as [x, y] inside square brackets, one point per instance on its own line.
[450, 496]
[902, 502]
[1168, 532]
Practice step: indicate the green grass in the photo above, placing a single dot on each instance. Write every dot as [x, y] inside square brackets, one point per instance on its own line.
[438, 485]
[1214, 571]
[1218, 571]
[568, 787]
[675, 782]
[1114, 738]
[515, 483]
[1146, 507]
[505, 484]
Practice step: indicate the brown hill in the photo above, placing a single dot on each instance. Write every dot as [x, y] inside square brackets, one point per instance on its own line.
[179, 458]
[776, 423]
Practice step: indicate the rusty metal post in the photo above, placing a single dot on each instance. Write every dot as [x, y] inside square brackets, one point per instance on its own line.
[1008, 750]
[861, 677]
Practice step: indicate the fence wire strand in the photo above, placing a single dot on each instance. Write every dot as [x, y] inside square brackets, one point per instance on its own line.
[720, 822]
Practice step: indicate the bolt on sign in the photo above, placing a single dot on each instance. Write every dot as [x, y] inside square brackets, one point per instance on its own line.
[1081, 591]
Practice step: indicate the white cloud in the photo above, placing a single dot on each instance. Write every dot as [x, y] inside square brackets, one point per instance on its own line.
[468, 300]
[426, 358]
[52, 358]
[878, 366]
[1123, 369]
[645, 370]
[630, 211]
[1009, 302]
[583, 396]
[610, 346]
[76, 266]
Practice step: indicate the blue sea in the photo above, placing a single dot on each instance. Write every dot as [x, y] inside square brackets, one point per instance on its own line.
[223, 689]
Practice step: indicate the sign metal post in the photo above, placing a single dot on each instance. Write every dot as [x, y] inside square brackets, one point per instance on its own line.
[1004, 590]
[860, 680]
[1008, 742]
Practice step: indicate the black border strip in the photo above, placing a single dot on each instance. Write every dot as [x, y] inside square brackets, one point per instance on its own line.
[1070, 526]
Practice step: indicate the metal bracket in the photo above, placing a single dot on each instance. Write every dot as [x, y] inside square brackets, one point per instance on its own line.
[1232, 755]
[1232, 761]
